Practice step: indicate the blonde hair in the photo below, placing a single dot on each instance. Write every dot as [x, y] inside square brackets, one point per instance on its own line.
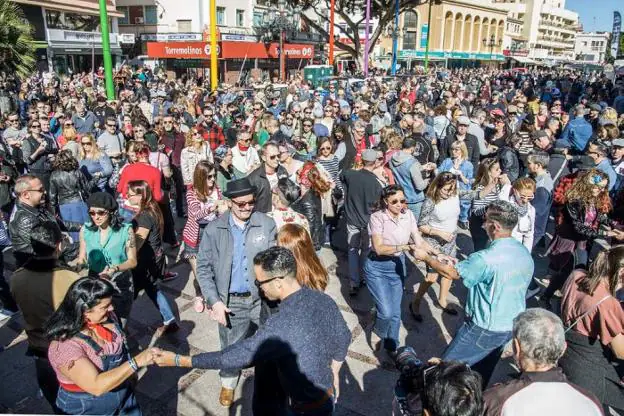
[524, 184]
[463, 148]
[95, 152]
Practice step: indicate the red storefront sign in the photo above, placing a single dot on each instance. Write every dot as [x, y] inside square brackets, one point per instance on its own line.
[227, 50]
[517, 52]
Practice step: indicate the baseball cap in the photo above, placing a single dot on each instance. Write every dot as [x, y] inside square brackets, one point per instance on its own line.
[617, 142]
[369, 155]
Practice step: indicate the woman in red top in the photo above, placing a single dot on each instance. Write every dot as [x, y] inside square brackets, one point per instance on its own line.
[141, 171]
[594, 319]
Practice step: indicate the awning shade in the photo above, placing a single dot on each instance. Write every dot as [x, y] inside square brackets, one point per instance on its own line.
[524, 60]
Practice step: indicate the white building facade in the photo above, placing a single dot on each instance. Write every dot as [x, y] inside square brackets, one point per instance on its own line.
[591, 47]
[548, 27]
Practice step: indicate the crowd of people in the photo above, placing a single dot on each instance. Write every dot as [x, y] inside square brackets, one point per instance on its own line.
[523, 163]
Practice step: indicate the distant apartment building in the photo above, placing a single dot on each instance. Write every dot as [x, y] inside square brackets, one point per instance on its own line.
[591, 47]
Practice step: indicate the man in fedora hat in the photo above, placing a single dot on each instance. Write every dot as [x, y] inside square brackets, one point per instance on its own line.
[225, 270]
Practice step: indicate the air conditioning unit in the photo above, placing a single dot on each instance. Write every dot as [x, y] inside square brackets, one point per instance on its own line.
[139, 20]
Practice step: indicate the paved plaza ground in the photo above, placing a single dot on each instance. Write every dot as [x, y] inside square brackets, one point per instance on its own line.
[366, 380]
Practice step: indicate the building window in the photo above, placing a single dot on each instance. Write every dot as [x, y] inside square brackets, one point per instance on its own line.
[240, 18]
[151, 15]
[136, 15]
[71, 21]
[221, 16]
[126, 19]
[257, 19]
[184, 26]
[410, 20]
[409, 40]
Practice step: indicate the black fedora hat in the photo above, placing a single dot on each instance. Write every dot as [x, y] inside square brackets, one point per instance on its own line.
[239, 187]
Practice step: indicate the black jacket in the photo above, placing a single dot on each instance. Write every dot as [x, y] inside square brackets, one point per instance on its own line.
[66, 187]
[259, 179]
[310, 206]
[25, 219]
[509, 162]
[472, 144]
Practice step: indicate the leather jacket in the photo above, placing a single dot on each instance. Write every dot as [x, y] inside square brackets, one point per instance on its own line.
[259, 179]
[310, 206]
[66, 187]
[24, 220]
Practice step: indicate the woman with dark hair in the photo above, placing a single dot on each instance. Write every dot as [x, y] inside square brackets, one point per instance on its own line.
[310, 271]
[497, 135]
[339, 134]
[69, 190]
[313, 186]
[284, 195]
[333, 200]
[438, 225]
[89, 354]
[148, 227]
[108, 249]
[582, 219]
[393, 230]
[594, 319]
[205, 204]
[508, 157]
[223, 163]
[486, 189]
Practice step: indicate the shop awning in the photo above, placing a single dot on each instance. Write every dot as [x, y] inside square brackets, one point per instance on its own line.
[524, 60]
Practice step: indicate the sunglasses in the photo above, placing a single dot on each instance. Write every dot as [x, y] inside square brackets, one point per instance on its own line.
[325, 148]
[14, 120]
[167, 122]
[244, 203]
[259, 283]
[98, 212]
[272, 157]
[307, 125]
[397, 201]
[35, 126]
[86, 143]
[211, 176]
[110, 125]
[207, 115]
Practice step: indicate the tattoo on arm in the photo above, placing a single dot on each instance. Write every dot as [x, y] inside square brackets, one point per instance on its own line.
[131, 240]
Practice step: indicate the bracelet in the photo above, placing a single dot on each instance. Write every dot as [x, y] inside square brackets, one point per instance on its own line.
[133, 364]
[177, 360]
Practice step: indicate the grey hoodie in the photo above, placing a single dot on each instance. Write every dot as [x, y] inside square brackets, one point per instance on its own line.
[415, 170]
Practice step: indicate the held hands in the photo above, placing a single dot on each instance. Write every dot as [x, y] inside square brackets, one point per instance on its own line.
[163, 358]
[219, 313]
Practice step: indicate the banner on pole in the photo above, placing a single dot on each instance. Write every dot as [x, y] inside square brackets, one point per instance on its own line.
[615, 36]
[424, 32]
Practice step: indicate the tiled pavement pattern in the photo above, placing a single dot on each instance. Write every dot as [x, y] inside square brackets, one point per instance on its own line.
[366, 380]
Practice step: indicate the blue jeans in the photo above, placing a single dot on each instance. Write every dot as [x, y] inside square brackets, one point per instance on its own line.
[472, 344]
[359, 247]
[416, 208]
[161, 302]
[384, 278]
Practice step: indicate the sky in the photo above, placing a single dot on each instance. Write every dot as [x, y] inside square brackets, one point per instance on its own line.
[596, 18]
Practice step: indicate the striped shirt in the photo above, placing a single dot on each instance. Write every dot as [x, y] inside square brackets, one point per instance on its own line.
[332, 167]
[480, 205]
[526, 145]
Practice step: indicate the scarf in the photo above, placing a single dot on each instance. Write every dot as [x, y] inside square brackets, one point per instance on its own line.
[101, 331]
[242, 148]
[522, 209]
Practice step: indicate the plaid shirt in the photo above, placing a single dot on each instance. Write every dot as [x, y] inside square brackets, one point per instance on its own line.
[212, 134]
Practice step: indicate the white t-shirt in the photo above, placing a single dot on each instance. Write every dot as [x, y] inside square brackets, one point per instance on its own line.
[445, 215]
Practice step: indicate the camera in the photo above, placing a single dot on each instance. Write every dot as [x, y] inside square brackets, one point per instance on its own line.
[411, 383]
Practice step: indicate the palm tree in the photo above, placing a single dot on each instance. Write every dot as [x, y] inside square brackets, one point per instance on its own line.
[17, 50]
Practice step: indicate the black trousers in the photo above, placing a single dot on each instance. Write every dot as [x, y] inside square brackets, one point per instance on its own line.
[178, 183]
[5, 292]
[48, 383]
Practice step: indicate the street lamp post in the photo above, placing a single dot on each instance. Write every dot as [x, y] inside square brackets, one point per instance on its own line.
[429, 27]
[492, 43]
[276, 21]
[396, 33]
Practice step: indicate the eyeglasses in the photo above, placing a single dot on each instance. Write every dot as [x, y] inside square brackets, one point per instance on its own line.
[244, 204]
[98, 212]
[259, 283]
[397, 201]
